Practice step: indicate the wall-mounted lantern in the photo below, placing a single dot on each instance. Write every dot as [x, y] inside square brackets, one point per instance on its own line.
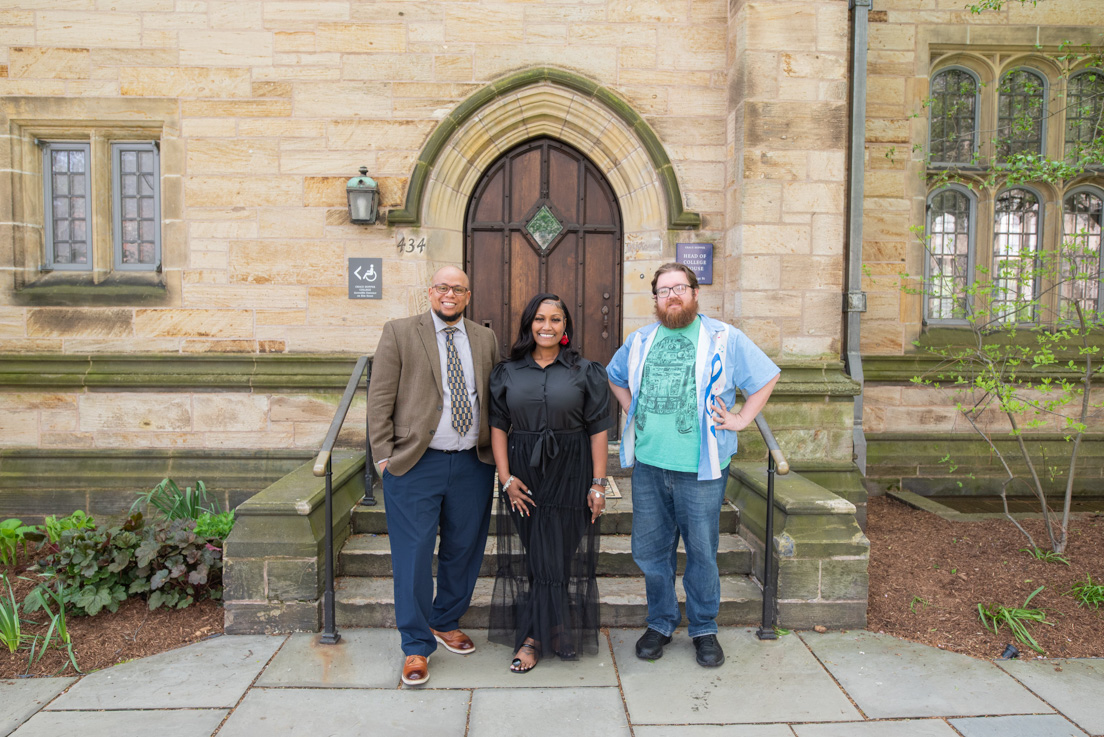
[363, 198]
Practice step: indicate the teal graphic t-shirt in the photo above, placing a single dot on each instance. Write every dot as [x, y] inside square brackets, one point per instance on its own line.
[666, 419]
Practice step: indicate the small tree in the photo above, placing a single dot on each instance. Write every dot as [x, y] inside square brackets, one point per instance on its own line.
[1010, 378]
[1026, 362]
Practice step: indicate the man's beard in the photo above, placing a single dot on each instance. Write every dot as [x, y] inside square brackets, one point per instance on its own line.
[450, 319]
[677, 320]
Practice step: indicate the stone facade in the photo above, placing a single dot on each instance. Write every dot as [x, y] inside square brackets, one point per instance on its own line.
[713, 121]
[717, 121]
[910, 40]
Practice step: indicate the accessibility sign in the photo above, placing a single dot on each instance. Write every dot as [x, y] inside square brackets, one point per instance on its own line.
[366, 278]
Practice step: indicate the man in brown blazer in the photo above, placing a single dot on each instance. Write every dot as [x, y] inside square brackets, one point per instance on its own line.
[427, 423]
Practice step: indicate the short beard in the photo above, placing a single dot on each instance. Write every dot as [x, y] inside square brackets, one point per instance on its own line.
[450, 320]
[683, 319]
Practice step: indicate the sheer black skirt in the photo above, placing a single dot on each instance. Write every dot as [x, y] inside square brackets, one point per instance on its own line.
[545, 586]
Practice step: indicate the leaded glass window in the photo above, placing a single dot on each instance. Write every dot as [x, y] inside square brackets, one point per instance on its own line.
[1085, 116]
[950, 244]
[68, 196]
[136, 205]
[953, 128]
[1021, 112]
[1081, 254]
[1015, 272]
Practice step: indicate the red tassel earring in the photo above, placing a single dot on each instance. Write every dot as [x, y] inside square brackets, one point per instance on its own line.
[563, 340]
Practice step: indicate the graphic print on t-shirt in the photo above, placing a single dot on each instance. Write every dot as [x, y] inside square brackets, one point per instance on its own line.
[668, 386]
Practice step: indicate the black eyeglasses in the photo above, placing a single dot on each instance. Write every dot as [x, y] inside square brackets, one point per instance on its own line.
[665, 292]
[446, 288]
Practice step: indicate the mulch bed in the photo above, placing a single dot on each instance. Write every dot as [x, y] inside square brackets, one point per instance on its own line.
[928, 575]
[109, 638]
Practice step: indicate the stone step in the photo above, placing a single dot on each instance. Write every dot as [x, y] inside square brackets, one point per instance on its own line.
[369, 602]
[616, 521]
[370, 555]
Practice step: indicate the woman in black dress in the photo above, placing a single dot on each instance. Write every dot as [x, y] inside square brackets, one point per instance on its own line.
[549, 417]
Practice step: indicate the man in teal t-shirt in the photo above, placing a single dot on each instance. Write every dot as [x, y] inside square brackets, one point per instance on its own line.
[667, 410]
[676, 380]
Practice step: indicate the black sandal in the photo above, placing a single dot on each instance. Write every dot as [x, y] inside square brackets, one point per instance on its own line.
[516, 664]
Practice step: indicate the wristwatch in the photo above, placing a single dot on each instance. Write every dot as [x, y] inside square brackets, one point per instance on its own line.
[603, 482]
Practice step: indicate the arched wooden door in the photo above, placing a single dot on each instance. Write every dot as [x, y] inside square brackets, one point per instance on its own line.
[544, 219]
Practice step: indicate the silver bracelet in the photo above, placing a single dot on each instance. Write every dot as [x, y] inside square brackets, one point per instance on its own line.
[506, 485]
[599, 494]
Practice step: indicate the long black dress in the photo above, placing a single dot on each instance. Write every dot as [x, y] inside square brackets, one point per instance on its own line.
[545, 586]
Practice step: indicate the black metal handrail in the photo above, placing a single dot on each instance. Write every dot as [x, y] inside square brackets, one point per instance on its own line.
[776, 463]
[323, 466]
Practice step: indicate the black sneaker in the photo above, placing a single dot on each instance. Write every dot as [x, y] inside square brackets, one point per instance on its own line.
[650, 645]
[709, 651]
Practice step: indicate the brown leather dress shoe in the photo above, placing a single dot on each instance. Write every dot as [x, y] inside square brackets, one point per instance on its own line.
[455, 641]
[415, 670]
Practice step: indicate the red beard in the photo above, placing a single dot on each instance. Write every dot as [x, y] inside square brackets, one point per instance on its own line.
[675, 320]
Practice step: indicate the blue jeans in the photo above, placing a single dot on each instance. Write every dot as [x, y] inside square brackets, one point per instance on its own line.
[667, 504]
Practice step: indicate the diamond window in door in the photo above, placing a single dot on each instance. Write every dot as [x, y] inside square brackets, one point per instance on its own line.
[544, 227]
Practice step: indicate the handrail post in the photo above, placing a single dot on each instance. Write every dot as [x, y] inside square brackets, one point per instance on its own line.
[369, 499]
[330, 635]
[766, 629]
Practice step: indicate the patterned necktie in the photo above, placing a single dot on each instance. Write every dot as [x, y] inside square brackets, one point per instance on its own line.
[461, 407]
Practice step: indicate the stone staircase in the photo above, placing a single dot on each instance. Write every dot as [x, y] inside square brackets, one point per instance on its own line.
[364, 587]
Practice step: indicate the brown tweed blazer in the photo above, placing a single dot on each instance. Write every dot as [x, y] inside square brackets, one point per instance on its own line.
[405, 394]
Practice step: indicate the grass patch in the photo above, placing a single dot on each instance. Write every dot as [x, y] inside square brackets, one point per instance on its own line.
[1047, 556]
[1017, 619]
[1087, 593]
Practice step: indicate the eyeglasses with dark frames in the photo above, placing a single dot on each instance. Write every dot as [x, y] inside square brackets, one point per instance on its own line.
[455, 289]
[665, 292]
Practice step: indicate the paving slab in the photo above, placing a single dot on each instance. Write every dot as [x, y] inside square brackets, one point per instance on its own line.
[176, 723]
[210, 674]
[714, 730]
[1042, 725]
[363, 658]
[21, 698]
[292, 712]
[771, 681]
[890, 678]
[895, 728]
[1073, 686]
[489, 667]
[553, 712]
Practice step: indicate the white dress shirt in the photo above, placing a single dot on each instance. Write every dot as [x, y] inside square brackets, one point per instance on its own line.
[446, 437]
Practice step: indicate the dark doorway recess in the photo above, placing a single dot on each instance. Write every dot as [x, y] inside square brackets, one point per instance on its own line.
[544, 219]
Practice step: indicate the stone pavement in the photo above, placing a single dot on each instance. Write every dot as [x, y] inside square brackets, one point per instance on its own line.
[839, 684]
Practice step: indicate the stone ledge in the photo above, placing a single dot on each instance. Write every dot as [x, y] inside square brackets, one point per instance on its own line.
[253, 372]
[902, 369]
[274, 558]
[103, 481]
[283, 371]
[915, 462]
[89, 295]
[821, 552]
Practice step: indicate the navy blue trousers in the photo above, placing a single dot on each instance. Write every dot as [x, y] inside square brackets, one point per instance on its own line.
[449, 493]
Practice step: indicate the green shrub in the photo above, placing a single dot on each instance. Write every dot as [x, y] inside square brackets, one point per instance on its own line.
[177, 566]
[78, 520]
[11, 625]
[174, 503]
[13, 534]
[94, 568]
[165, 560]
[215, 526]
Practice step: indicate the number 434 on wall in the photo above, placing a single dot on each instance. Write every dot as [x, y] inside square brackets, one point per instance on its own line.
[409, 245]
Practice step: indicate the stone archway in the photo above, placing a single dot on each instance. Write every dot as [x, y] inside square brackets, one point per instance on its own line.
[562, 106]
